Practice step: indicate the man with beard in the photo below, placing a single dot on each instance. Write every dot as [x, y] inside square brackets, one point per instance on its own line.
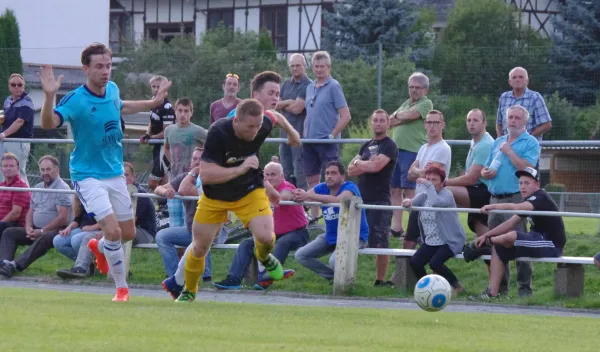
[48, 213]
[222, 107]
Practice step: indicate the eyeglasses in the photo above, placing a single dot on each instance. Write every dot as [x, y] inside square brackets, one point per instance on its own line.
[232, 75]
[314, 97]
[433, 123]
[414, 87]
[16, 85]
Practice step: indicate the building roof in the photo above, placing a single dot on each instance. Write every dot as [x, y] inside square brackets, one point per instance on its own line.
[73, 77]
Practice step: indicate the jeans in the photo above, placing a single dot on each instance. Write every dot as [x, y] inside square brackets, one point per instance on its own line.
[283, 246]
[307, 256]
[292, 163]
[16, 236]
[524, 269]
[69, 246]
[167, 239]
[5, 225]
[436, 256]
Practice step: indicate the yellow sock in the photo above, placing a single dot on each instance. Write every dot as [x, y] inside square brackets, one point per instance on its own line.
[194, 267]
[262, 250]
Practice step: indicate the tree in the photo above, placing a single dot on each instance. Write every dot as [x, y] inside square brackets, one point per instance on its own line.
[10, 49]
[481, 44]
[576, 51]
[355, 28]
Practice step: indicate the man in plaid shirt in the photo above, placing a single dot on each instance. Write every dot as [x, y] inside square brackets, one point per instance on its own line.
[539, 117]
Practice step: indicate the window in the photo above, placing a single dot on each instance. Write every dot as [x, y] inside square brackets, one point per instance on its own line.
[274, 20]
[120, 33]
[217, 16]
[167, 31]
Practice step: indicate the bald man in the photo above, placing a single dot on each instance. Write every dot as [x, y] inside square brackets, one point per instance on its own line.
[290, 231]
[539, 121]
[291, 105]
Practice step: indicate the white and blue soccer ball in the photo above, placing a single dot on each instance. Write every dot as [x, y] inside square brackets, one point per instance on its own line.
[433, 293]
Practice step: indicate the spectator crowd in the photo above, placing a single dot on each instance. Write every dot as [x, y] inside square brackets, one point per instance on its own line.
[406, 162]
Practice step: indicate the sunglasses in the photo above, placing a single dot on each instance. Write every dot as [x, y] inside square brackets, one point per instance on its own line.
[233, 75]
[314, 97]
[16, 85]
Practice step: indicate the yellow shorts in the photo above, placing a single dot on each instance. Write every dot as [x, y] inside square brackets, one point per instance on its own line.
[212, 211]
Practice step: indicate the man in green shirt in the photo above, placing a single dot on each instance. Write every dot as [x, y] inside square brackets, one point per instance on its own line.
[409, 134]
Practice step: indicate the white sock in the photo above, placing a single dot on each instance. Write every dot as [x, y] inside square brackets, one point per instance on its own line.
[101, 245]
[115, 256]
[179, 274]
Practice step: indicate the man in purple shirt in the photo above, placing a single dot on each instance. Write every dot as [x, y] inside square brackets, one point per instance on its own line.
[223, 106]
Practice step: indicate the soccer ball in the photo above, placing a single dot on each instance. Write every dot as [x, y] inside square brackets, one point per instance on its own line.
[433, 293]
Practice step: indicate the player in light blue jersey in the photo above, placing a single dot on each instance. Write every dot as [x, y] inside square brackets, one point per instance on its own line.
[94, 112]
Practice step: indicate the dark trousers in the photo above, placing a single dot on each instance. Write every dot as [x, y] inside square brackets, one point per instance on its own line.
[16, 236]
[436, 256]
[283, 246]
[5, 225]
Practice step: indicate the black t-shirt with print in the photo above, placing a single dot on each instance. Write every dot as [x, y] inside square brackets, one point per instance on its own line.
[223, 148]
[552, 227]
[375, 186]
[160, 116]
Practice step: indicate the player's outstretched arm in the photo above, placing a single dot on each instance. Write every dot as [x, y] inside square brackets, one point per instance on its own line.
[293, 135]
[50, 85]
[135, 106]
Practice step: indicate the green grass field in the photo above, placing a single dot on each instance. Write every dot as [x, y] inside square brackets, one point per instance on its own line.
[39, 320]
[582, 241]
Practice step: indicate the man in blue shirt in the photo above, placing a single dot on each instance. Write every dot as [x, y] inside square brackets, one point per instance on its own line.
[332, 190]
[94, 112]
[511, 153]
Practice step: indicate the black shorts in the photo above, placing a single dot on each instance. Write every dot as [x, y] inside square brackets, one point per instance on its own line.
[158, 171]
[531, 244]
[412, 229]
[380, 222]
[478, 197]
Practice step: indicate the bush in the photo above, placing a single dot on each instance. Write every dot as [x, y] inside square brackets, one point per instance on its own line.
[563, 115]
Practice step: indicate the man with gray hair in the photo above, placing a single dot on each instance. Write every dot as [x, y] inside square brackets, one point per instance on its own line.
[539, 121]
[327, 114]
[48, 213]
[291, 105]
[409, 134]
[510, 153]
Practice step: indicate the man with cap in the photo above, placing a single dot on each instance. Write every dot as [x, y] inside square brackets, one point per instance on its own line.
[546, 237]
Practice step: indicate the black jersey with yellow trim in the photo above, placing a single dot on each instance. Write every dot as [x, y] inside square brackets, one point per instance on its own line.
[223, 148]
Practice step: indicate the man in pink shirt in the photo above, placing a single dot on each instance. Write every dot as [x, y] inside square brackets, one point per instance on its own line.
[223, 106]
[13, 205]
[290, 231]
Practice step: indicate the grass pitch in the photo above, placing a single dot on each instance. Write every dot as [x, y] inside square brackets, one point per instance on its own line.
[41, 320]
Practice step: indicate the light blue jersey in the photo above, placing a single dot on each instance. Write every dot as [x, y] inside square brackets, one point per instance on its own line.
[96, 125]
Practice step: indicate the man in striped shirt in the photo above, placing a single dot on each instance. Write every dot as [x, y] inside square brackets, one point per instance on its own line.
[539, 121]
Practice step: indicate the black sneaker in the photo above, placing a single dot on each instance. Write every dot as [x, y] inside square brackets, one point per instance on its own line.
[7, 270]
[73, 273]
[230, 283]
[398, 234]
[380, 283]
[483, 296]
[472, 252]
[207, 279]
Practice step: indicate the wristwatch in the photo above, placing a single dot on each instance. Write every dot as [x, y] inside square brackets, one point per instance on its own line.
[331, 136]
[355, 161]
[191, 173]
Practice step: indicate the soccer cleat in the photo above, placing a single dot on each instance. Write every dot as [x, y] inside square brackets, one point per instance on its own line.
[101, 262]
[171, 287]
[273, 267]
[265, 280]
[122, 295]
[230, 283]
[186, 297]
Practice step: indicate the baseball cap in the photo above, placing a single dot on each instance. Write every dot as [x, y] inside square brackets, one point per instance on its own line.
[529, 171]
